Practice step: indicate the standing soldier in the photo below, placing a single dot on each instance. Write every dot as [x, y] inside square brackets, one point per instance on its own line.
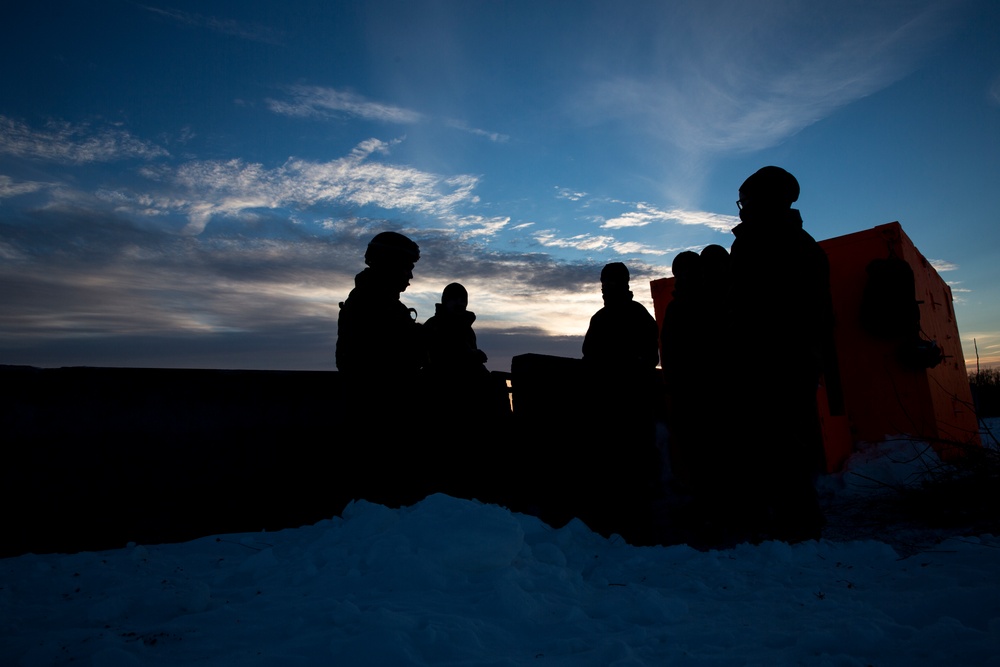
[782, 318]
[380, 352]
[620, 353]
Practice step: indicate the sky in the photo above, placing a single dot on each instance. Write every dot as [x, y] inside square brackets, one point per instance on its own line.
[193, 184]
[448, 581]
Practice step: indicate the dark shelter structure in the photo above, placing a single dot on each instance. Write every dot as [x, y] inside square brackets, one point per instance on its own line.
[586, 445]
[97, 457]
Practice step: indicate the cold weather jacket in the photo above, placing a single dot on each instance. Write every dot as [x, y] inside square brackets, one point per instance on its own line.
[780, 306]
[377, 335]
[451, 343]
[622, 334]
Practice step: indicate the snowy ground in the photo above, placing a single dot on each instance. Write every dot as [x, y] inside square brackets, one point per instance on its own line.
[455, 582]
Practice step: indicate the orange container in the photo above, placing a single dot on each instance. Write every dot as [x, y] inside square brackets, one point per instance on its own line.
[880, 393]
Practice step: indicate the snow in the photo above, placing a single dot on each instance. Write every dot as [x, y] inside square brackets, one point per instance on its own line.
[457, 582]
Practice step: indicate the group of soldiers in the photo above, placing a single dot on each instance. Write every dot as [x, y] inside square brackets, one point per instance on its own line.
[745, 342]
[740, 354]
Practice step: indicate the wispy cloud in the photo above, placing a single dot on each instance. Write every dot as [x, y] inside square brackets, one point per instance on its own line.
[321, 102]
[567, 193]
[325, 102]
[985, 348]
[592, 243]
[480, 226]
[8, 188]
[251, 31]
[585, 242]
[495, 137]
[958, 292]
[744, 79]
[941, 265]
[646, 214]
[231, 187]
[73, 143]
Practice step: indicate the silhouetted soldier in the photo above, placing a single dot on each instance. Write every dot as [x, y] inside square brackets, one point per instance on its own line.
[620, 353]
[694, 342]
[782, 319]
[682, 354]
[380, 351]
[452, 350]
[378, 338]
[471, 408]
[716, 263]
[622, 334]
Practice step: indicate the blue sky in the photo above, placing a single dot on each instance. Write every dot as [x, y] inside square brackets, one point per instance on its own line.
[192, 184]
